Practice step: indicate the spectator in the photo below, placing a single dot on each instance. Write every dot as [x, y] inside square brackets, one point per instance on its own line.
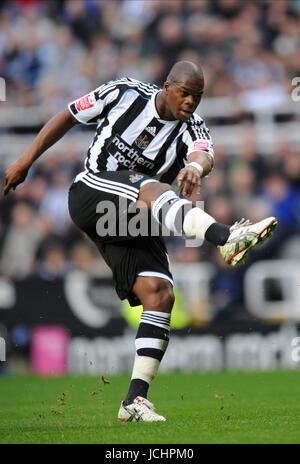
[54, 204]
[21, 242]
[84, 257]
[52, 263]
[282, 199]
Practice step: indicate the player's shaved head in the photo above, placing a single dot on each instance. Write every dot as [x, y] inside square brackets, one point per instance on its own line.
[182, 70]
[182, 92]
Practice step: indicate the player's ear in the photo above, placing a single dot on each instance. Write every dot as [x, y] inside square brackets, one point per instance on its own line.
[167, 86]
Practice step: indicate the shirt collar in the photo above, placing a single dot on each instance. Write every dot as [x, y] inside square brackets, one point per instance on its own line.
[153, 105]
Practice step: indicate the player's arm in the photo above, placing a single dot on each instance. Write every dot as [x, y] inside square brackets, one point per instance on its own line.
[51, 132]
[199, 158]
[199, 164]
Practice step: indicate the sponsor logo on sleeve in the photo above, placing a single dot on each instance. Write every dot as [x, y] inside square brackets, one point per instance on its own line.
[201, 145]
[86, 102]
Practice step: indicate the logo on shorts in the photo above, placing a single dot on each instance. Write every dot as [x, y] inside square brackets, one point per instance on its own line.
[135, 178]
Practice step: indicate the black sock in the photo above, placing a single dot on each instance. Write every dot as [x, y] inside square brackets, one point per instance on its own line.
[217, 233]
[137, 387]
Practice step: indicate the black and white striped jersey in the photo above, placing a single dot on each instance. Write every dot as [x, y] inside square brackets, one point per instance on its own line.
[130, 134]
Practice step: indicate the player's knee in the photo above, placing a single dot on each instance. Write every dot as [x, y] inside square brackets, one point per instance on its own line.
[150, 192]
[159, 296]
[162, 297]
[164, 186]
[166, 297]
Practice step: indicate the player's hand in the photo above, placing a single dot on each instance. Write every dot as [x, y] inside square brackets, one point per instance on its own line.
[15, 175]
[189, 181]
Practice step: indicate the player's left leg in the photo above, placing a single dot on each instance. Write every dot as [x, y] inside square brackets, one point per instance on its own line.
[157, 298]
[181, 216]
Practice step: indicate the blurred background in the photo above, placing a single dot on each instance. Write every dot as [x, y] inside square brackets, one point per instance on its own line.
[56, 292]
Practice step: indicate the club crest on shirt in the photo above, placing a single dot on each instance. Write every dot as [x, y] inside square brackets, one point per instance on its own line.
[135, 178]
[142, 141]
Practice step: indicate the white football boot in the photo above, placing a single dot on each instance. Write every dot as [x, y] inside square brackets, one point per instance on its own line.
[141, 410]
[244, 236]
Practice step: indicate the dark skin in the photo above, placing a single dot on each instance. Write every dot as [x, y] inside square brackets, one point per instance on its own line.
[180, 98]
[52, 131]
[177, 101]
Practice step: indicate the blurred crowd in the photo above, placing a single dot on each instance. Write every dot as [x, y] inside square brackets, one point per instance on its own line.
[52, 52]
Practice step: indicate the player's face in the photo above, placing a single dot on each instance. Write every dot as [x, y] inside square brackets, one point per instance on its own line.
[184, 97]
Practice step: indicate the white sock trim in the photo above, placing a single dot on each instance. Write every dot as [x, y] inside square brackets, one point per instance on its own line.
[161, 314]
[158, 318]
[171, 214]
[156, 343]
[161, 200]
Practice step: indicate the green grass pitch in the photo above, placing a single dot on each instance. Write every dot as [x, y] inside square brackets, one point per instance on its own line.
[226, 407]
